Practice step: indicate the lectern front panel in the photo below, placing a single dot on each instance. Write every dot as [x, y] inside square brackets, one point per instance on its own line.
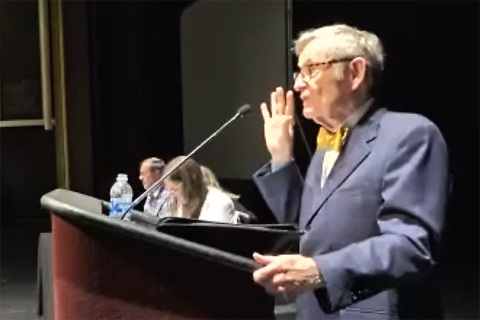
[104, 274]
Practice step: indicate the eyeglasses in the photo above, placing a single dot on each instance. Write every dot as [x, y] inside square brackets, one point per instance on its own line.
[307, 71]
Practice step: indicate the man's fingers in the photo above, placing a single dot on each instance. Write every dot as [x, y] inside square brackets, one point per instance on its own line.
[280, 100]
[291, 130]
[273, 103]
[280, 279]
[285, 122]
[265, 113]
[262, 276]
[281, 121]
[263, 259]
[290, 104]
[266, 273]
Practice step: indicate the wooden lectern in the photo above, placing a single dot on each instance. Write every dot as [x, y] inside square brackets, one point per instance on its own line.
[104, 268]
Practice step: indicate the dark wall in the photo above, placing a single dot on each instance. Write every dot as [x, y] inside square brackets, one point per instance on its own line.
[27, 154]
[77, 96]
[27, 171]
[432, 69]
[136, 86]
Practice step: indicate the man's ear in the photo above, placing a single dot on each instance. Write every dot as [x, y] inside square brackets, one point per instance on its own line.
[358, 72]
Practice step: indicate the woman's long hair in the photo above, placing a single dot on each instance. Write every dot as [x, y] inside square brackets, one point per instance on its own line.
[212, 181]
[194, 189]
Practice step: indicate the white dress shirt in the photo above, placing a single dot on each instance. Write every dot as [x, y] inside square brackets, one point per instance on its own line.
[331, 156]
[158, 203]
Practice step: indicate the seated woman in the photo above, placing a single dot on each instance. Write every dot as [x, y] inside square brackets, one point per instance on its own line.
[211, 180]
[192, 198]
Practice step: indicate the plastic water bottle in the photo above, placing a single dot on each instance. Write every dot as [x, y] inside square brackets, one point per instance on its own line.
[121, 196]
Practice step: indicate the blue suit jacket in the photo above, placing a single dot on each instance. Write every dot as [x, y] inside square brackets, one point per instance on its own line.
[374, 228]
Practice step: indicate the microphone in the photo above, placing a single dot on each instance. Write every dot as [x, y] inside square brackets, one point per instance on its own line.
[242, 111]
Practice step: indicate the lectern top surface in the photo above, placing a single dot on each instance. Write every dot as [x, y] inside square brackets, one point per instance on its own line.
[82, 209]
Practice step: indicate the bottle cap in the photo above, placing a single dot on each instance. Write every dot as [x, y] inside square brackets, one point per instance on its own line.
[122, 176]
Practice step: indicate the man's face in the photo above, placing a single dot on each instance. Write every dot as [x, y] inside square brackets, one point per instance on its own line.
[147, 176]
[321, 92]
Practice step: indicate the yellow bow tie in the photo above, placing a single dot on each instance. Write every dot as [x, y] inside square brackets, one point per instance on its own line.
[334, 141]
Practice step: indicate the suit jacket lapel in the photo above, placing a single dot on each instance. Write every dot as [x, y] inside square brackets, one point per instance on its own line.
[356, 151]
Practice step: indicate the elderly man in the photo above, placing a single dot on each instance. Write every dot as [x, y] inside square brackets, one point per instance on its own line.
[157, 202]
[372, 204]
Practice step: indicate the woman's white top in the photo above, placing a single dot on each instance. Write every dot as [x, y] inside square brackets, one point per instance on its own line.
[217, 207]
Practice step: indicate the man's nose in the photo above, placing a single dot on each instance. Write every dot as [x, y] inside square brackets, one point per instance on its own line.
[298, 84]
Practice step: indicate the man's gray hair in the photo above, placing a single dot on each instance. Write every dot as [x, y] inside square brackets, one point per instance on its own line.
[340, 41]
[154, 164]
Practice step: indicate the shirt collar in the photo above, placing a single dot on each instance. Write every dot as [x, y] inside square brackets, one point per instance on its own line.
[156, 192]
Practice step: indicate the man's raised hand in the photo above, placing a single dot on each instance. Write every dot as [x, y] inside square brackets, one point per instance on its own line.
[278, 125]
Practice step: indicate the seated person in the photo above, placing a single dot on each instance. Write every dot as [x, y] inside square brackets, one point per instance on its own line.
[211, 180]
[190, 197]
[157, 202]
